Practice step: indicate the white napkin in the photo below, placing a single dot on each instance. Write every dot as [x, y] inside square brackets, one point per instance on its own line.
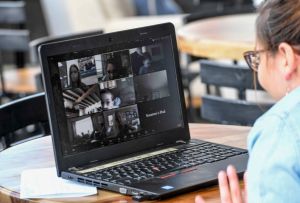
[44, 183]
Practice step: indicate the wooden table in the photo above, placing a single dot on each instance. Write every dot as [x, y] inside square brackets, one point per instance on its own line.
[39, 154]
[225, 37]
[21, 80]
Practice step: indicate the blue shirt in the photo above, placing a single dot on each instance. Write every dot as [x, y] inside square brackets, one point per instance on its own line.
[274, 148]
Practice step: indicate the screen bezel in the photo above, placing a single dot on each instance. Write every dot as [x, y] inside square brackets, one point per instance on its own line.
[63, 162]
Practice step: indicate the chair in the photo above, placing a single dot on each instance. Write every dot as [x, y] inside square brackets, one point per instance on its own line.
[215, 12]
[19, 114]
[187, 77]
[213, 6]
[216, 8]
[12, 39]
[227, 111]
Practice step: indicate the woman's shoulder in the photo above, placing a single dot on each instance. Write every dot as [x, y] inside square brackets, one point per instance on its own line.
[274, 148]
[288, 105]
[276, 122]
[284, 115]
[277, 131]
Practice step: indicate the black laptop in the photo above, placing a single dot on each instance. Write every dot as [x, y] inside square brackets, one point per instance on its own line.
[117, 114]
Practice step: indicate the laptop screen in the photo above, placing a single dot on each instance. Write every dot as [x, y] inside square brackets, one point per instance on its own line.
[116, 94]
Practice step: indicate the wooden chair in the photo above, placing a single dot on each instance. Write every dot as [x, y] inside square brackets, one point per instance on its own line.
[19, 114]
[13, 38]
[227, 111]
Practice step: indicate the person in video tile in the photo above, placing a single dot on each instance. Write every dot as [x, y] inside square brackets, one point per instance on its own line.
[74, 76]
[108, 100]
[111, 69]
[137, 59]
[128, 119]
[147, 65]
[125, 61]
[112, 126]
[151, 86]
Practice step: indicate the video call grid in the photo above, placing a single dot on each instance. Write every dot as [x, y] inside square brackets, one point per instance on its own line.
[96, 83]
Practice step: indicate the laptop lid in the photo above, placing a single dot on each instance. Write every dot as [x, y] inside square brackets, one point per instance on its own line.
[113, 94]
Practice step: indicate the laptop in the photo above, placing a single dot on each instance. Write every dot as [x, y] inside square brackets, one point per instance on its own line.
[118, 119]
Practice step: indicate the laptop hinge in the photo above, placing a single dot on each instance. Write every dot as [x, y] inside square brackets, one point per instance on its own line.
[73, 169]
[181, 142]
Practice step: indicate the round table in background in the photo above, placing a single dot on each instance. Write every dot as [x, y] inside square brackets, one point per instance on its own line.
[225, 37]
[21, 80]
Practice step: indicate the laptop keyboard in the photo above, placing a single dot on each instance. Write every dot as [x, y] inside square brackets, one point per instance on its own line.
[191, 155]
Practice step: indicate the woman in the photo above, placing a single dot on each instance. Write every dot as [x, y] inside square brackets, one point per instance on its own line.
[74, 76]
[273, 173]
[146, 67]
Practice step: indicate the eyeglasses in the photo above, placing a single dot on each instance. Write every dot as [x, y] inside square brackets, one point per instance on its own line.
[253, 58]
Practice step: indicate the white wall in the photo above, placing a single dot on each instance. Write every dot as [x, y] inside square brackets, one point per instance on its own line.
[71, 16]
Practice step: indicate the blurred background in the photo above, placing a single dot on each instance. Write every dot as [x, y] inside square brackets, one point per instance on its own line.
[24, 25]
[225, 77]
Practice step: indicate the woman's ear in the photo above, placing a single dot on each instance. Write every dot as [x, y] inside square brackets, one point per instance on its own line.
[287, 60]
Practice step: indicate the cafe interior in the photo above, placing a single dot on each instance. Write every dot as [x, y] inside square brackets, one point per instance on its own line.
[222, 96]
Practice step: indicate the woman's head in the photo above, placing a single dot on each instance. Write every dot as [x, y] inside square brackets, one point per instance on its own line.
[278, 46]
[74, 75]
[277, 22]
[111, 70]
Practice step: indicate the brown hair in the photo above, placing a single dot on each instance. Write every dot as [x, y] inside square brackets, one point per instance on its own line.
[278, 21]
[78, 81]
